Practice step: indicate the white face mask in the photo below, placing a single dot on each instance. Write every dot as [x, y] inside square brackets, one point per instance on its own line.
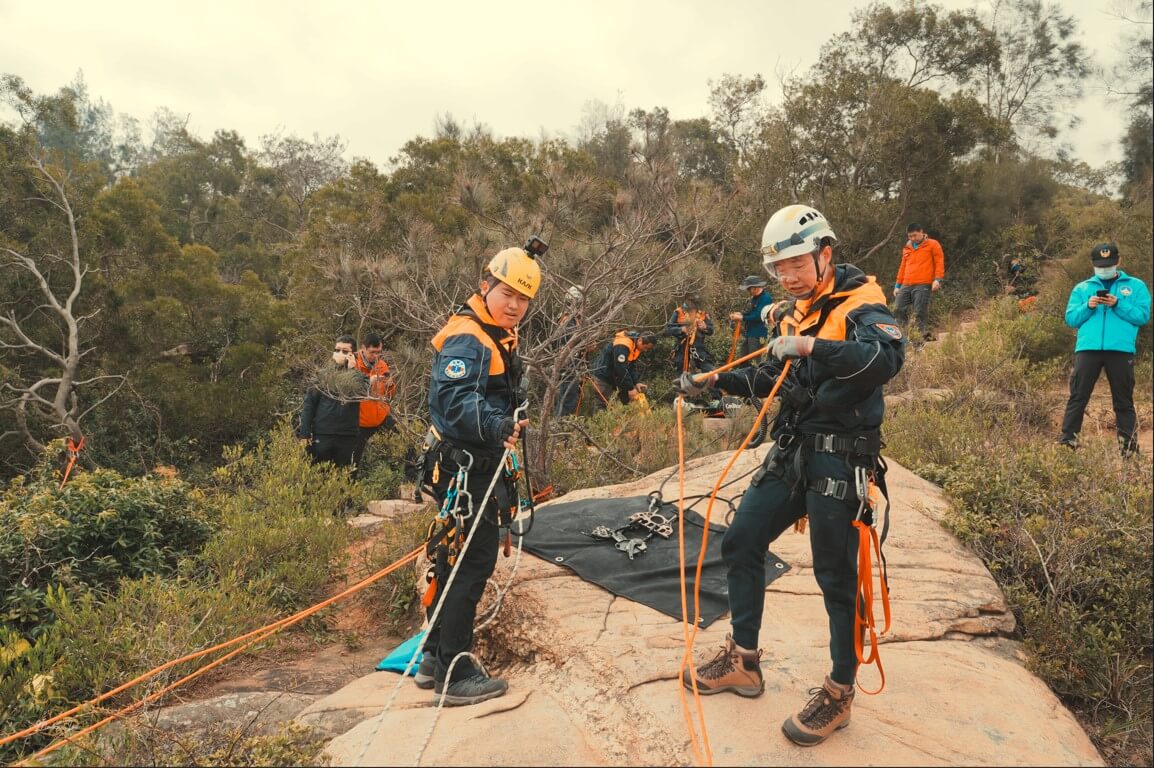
[1106, 273]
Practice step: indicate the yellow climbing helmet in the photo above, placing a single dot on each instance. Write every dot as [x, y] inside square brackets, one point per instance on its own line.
[516, 269]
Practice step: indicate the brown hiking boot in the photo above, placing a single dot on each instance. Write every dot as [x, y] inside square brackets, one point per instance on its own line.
[825, 713]
[729, 670]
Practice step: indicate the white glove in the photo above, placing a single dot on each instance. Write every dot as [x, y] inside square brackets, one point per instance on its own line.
[791, 346]
[685, 385]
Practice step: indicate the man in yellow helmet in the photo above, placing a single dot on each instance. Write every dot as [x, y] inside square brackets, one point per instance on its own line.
[473, 400]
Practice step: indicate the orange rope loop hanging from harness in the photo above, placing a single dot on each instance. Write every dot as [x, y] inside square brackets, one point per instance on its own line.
[868, 544]
[73, 454]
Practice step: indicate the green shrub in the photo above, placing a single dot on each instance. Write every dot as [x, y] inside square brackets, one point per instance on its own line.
[103, 645]
[281, 529]
[99, 528]
[1068, 537]
[383, 469]
[625, 442]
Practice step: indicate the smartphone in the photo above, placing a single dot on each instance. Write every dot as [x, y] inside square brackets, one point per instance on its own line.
[1102, 293]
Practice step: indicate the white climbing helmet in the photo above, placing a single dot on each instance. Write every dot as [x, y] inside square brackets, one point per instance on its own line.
[793, 231]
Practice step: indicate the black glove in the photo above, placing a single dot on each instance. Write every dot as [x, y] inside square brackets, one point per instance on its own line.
[505, 428]
[795, 395]
[685, 385]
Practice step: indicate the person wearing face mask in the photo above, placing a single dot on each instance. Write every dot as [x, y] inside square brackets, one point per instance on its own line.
[845, 345]
[330, 416]
[474, 396]
[1107, 310]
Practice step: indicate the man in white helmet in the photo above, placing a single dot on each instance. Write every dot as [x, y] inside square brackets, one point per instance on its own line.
[473, 399]
[845, 345]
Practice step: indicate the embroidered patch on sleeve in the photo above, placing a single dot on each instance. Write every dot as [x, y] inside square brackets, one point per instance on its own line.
[456, 369]
[621, 358]
[890, 330]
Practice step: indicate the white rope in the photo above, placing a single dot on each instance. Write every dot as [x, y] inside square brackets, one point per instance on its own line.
[478, 512]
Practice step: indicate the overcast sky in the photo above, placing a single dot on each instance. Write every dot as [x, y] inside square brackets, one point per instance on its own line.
[378, 73]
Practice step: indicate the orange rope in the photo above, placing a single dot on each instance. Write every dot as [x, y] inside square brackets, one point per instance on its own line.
[73, 455]
[263, 633]
[706, 756]
[691, 634]
[700, 377]
[864, 611]
[598, 391]
[733, 347]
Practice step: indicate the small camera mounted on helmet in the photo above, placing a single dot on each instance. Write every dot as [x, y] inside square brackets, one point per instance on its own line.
[535, 246]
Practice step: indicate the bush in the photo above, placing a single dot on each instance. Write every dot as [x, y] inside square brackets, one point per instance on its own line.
[625, 442]
[277, 534]
[383, 470]
[1068, 537]
[99, 528]
[281, 527]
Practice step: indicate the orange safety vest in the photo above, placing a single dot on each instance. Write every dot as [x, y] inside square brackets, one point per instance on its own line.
[622, 339]
[803, 317]
[376, 409]
[463, 325]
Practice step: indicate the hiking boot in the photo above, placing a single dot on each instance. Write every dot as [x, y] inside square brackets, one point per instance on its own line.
[424, 676]
[1128, 446]
[1069, 441]
[729, 670]
[825, 713]
[469, 690]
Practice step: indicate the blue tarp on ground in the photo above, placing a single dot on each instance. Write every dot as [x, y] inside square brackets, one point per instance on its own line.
[399, 658]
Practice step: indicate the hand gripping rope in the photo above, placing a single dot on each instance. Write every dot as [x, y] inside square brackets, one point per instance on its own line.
[517, 416]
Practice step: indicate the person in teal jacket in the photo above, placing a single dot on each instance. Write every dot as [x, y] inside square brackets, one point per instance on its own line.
[1107, 309]
[753, 328]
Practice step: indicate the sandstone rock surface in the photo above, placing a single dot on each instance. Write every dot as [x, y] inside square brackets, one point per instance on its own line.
[594, 678]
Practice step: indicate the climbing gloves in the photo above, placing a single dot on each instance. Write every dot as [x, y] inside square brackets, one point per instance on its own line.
[685, 385]
[783, 347]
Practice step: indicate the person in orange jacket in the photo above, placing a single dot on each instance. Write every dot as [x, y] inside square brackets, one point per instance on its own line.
[375, 411]
[920, 275]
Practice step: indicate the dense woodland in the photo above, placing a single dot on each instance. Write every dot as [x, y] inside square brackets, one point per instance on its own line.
[164, 296]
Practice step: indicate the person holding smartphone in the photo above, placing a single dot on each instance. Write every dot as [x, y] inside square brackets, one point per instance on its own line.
[1107, 310]
[330, 416]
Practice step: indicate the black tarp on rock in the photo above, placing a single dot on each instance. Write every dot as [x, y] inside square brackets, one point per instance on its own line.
[560, 535]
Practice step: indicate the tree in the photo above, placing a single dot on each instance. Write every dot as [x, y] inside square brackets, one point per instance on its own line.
[303, 167]
[50, 338]
[1132, 83]
[1040, 70]
[914, 43]
[738, 109]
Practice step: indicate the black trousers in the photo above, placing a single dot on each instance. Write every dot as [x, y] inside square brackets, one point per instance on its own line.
[366, 434]
[1119, 373]
[336, 449]
[453, 632]
[766, 511]
[750, 344]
